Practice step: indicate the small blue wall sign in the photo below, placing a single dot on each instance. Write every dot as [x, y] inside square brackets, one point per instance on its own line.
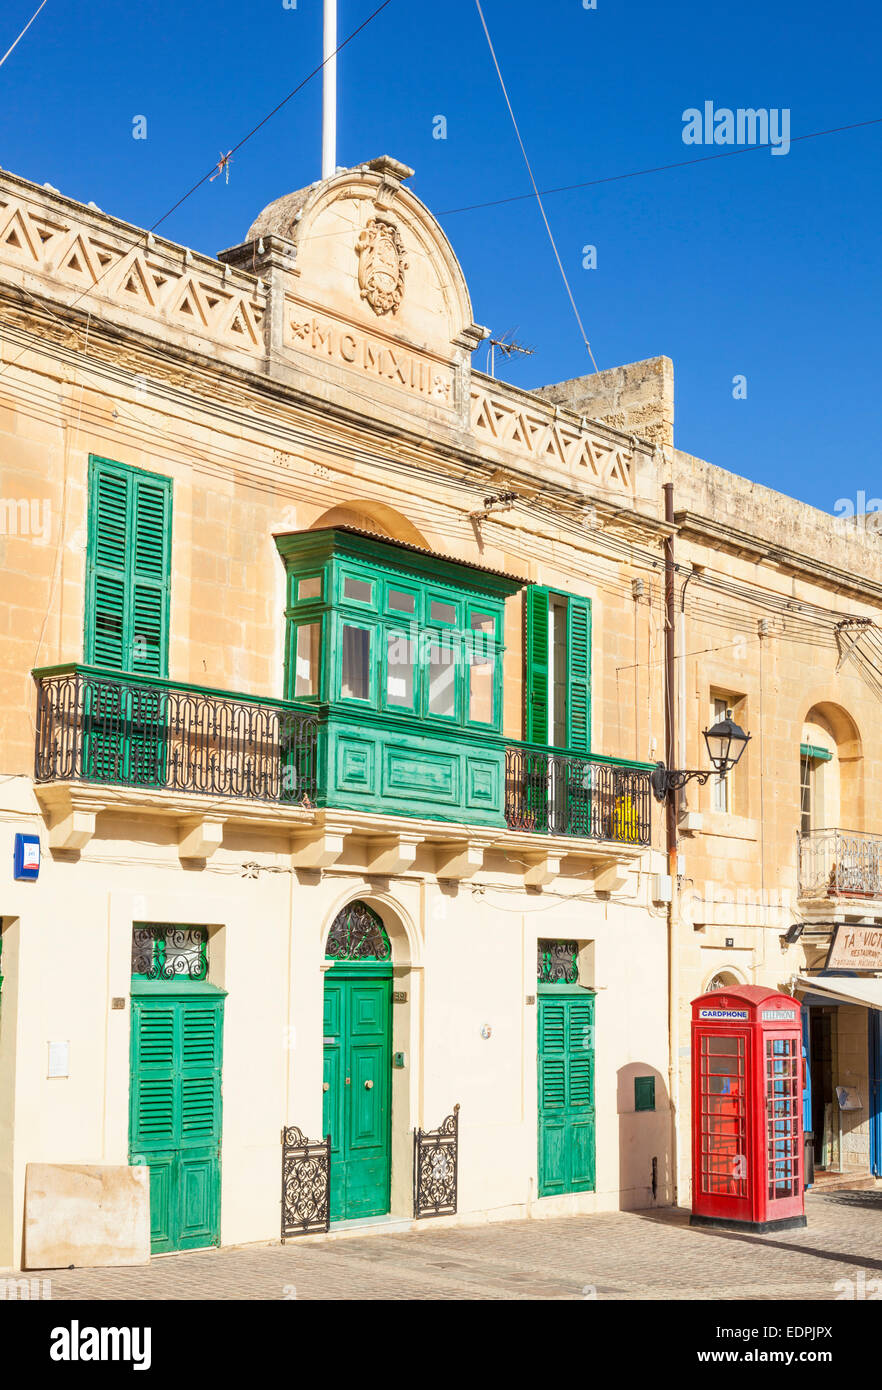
[26, 857]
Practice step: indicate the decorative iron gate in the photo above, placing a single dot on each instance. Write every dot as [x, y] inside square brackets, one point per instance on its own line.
[435, 1159]
[306, 1184]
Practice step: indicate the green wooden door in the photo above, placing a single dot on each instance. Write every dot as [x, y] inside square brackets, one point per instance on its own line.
[175, 1115]
[566, 1090]
[357, 1092]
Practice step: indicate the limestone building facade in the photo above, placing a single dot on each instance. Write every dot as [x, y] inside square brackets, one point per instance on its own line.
[332, 685]
[313, 715]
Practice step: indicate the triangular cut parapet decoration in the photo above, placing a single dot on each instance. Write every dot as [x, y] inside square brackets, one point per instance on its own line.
[105, 255]
[242, 323]
[78, 261]
[20, 238]
[48, 228]
[133, 281]
[552, 447]
[188, 304]
[483, 418]
[622, 470]
[544, 438]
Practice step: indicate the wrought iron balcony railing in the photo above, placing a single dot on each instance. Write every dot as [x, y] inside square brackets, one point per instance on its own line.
[123, 730]
[836, 862]
[556, 794]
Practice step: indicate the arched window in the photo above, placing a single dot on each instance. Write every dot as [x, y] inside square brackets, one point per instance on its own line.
[358, 934]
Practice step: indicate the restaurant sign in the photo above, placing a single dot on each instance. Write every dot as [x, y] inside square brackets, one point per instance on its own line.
[855, 948]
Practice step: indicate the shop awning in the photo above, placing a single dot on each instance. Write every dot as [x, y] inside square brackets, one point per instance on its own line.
[848, 989]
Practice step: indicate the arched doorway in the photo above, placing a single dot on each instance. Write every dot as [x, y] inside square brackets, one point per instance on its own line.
[357, 1036]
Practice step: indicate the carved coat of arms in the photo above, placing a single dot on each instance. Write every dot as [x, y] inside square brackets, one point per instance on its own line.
[381, 266]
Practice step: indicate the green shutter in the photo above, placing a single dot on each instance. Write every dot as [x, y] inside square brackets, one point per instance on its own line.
[108, 536]
[150, 576]
[579, 674]
[566, 1091]
[175, 1121]
[644, 1092]
[536, 682]
[129, 569]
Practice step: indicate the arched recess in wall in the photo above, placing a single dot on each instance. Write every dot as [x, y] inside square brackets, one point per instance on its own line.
[724, 979]
[831, 769]
[368, 515]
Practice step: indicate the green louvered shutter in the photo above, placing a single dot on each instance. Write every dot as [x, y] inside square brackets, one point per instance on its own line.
[150, 576]
[198, 1175]
[566, 1092]
[106, 609]
[536, 683]
[129, 570]
[154, 1130]
[175, 1122]
[579, 674]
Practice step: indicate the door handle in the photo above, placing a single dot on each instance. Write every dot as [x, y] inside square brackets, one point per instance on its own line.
[326, 1085]
[347, 1081]
[368, 1085]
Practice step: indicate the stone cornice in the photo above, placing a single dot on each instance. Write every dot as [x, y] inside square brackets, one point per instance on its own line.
[753, 547]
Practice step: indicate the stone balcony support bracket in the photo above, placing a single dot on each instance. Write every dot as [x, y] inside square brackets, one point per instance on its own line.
[318, 849]
[391, 854]
[73, 831]
[199, 837]
[541, 869]
[611, 876]
[70, 821]
[459, 859]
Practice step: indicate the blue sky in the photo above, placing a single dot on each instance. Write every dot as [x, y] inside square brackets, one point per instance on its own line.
[760, 265]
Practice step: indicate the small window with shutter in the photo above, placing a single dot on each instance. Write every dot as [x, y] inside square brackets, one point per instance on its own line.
[128, 569]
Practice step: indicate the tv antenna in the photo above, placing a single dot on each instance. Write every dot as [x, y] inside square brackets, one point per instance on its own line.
[507, 347]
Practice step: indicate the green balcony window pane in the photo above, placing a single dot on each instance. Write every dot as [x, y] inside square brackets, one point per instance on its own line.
[355, 681]
[399, 670]
[307, 657]
[360, 590]
[402, 602]
[442, 680]
[481, 671]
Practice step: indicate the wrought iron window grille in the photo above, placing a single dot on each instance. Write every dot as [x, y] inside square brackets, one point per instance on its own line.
[557, 963]
[162, 952]
[358, 934]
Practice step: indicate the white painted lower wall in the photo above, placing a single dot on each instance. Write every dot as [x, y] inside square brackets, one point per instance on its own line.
[464, 955]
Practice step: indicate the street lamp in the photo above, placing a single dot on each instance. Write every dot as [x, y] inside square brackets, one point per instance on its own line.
[726, 741]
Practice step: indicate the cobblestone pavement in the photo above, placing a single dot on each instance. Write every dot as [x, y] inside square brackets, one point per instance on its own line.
[626, 1255]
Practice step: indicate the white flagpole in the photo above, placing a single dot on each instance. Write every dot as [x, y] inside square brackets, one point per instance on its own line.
[329, 91]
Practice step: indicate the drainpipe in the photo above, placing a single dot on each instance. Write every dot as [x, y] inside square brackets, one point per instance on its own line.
[671, 844]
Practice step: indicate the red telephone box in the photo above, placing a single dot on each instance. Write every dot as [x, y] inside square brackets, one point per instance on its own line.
[747, 1080]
